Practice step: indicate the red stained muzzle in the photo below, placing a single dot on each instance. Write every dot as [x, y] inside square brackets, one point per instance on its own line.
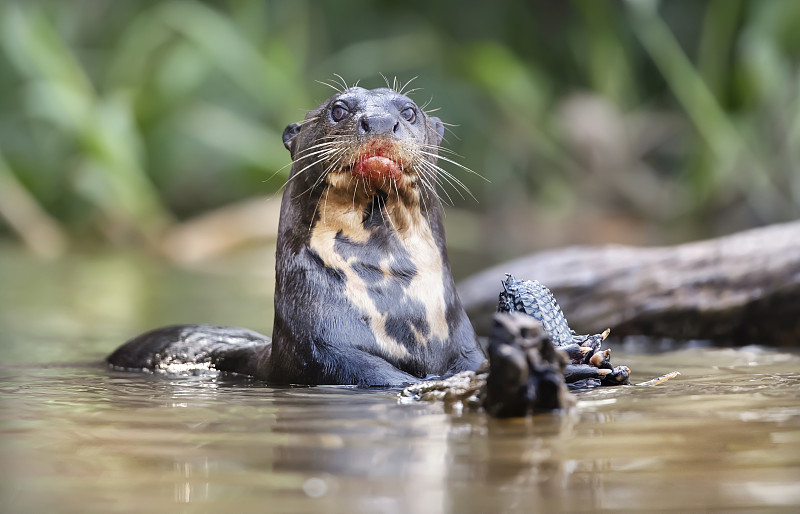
[377, 167]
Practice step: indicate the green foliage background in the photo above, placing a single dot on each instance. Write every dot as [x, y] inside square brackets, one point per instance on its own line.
[638, 121]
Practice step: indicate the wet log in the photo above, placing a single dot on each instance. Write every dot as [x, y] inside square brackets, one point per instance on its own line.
[738, 289]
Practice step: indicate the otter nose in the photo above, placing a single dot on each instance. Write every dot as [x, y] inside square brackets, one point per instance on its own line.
[377, 124]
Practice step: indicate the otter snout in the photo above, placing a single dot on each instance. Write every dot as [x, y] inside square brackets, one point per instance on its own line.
[378, 124]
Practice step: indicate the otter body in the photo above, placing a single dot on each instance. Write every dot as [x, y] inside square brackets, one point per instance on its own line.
[364, 292]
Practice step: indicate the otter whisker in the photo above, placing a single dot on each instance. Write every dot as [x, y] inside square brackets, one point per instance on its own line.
[314, 150]
[332, 166]
[291, 163]
[329, 85]
[425, 186]
[330, 137]
[388, 216]
[300, 172]
[314, 214]
[319, 144]
[377, 199]
[450, 131]
[325, 205]
[323, 153]
[403, 86]
[355, 190]
[451, 161]
[277, 171]
[307, 120]
[326, 140]
[440, 149]
[316, 156]
[425, 205]
[285, 184]
[431, 181]
[316, 183]
[450, 177]
[344, 82]
[335, 164]
[442, 174]
[324, 174]
[394, 183]
[371, 204]
[335, 157]
[438, 170]
[365, 188]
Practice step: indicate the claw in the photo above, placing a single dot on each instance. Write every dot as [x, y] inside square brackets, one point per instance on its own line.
[605, 334]
[600, 358]
[603, 372]
[585, 349]
[618, 376]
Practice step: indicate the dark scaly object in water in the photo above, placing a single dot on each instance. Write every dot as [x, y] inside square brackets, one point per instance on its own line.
[588, 366]
[532, 298]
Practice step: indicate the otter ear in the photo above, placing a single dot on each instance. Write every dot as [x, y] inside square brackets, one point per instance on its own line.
[289, 133]
[438, 127]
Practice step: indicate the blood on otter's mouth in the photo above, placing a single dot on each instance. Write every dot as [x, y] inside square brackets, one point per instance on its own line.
[375, 162]
[376, 167]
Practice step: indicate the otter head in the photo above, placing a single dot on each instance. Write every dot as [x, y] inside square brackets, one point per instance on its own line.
[366, 143]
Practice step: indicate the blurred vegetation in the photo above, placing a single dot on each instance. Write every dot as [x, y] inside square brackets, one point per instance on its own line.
[634, 121]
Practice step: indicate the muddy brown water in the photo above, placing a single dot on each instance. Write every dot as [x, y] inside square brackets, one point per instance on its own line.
[78, 437]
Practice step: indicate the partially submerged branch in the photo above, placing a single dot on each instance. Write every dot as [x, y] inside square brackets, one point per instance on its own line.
[743, 288]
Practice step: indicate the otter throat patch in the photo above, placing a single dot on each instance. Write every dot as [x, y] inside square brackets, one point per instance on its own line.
[393, 277]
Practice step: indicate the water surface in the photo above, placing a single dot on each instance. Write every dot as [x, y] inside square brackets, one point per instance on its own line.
[78, 437]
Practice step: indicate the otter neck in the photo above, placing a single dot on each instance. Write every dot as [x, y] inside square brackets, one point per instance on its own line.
[370, 204]
[387, 222]
[392, 250]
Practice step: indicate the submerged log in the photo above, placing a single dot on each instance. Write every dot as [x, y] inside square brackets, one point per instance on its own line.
[739, 289]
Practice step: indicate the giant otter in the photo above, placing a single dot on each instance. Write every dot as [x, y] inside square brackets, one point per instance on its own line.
[364, 294]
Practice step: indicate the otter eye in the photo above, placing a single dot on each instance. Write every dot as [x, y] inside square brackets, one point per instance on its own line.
[338, 112]
[409, 114]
